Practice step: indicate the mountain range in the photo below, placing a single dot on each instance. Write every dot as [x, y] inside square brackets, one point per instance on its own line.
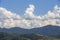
[46, 30]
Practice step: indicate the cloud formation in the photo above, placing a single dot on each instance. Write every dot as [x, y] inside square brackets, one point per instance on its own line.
[28, 20]
[29, 12]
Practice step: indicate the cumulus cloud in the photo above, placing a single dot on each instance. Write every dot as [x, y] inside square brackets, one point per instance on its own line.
[29, 12]
[52, 17]
[28, 20]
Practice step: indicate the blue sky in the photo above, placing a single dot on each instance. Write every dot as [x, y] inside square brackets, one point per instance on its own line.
[19, 6]
[19, 13]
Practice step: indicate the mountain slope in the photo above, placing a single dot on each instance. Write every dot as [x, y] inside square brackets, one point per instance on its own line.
[46, 30]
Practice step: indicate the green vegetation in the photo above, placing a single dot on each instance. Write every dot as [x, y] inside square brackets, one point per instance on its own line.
[5, 36]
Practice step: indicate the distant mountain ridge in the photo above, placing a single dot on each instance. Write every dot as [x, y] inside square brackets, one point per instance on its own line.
[46, 30]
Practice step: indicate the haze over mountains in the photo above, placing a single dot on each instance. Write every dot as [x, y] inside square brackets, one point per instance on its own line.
[46, 30]
[28, 20]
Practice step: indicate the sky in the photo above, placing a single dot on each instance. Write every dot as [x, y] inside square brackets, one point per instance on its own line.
[29, 14]
[19, 6]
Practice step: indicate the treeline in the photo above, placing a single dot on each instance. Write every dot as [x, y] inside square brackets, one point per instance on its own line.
[5, 36]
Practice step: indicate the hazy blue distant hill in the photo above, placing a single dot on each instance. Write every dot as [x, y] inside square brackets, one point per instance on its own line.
[46, 30]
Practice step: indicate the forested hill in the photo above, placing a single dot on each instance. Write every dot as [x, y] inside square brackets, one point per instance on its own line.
[5, 36]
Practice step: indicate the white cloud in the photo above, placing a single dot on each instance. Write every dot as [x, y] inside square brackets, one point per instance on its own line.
[9, 19]
[29, 12]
